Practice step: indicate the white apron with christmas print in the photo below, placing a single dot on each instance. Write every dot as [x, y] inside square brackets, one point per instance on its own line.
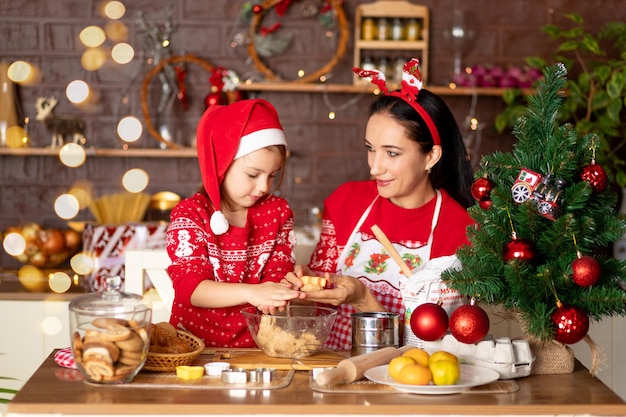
[368, 260]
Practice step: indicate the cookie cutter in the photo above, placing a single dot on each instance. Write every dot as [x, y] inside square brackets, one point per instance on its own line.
[242, 375]
[235, 376]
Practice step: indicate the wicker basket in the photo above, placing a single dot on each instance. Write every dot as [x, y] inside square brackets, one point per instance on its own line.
[167, 362]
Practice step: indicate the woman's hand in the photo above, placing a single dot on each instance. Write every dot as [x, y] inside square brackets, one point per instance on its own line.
[292, 279]
[346, 290]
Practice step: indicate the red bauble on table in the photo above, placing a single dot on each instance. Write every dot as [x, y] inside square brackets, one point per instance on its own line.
[595, 175]
[585, 271]
[571, 324]
[520, 249]
[469, 323]
[429, 321]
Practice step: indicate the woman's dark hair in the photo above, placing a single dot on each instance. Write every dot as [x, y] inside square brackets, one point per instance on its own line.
[453, 172]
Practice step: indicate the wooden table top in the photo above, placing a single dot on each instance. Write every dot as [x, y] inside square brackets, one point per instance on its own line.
[55, 390]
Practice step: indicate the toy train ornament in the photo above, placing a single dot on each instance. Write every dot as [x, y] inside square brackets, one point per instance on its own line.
[541, 190]
[59, 126]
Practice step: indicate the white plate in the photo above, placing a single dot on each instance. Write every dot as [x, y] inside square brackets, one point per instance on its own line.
[471, 376]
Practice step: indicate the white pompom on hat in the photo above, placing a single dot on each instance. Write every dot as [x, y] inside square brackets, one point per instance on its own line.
[228, 132]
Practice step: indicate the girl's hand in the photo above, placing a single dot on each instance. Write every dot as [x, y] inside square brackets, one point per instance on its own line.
[268, 296]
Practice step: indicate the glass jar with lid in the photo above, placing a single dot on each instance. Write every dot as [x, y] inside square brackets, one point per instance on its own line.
[110, 334]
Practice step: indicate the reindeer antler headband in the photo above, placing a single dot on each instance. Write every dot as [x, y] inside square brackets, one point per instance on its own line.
[411, 86]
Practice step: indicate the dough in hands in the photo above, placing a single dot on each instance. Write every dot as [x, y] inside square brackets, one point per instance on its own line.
[310, 283]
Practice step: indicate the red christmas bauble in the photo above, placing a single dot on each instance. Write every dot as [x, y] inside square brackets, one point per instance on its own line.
[595, 175]
[485, 204]
[469, 323]
[429, 321]
[520, 249]
[481, 188]
[257, 8]
[571, 324]
[585, 271]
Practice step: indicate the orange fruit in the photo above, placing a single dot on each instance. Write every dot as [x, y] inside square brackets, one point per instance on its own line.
[420, 355]
[415, 374]
[442, 355]
[445, 372]
[397, 363]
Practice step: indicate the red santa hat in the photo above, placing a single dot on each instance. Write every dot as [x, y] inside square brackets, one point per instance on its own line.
[226, 133]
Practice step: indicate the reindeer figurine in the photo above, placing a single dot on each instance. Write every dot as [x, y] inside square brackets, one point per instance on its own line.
[59, 125]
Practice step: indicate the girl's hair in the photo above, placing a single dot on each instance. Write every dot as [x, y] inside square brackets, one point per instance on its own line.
[453, 172]
[282, 152]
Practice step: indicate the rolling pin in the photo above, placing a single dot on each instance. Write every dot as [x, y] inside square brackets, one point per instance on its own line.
[352, 369]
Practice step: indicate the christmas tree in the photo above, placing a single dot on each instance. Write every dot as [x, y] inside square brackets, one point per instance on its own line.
[544, 219]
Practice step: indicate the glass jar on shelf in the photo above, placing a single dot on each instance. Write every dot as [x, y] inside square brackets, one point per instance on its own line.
[384, 29]
[412, 30]
[368, 29]
[397, 30]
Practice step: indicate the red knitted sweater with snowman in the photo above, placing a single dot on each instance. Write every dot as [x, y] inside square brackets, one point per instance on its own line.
[261, 251]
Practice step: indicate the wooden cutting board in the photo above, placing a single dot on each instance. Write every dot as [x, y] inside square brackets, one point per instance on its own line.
[253, 358]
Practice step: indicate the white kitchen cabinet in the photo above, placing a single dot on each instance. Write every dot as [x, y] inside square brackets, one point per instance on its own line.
[29, 331]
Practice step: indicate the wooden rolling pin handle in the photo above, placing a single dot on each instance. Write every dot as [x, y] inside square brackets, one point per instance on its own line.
[352, 369]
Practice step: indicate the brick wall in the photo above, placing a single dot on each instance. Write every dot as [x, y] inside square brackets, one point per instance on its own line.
[325, 152]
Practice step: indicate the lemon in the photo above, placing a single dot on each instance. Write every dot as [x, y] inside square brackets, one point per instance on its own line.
[445, 372]
[415, 374]
[442, 355]
[420, 355]
[397, 363]
[189, 372]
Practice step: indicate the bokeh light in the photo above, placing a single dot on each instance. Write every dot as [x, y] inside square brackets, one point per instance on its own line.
[93, 59]
[82, 191]
[116, 31]
[16, 137]
[129, 129]
[32, 278]
[21, 72]
[135, 180]
[14, 244]
[52, 325]
[122, 53]
[59, 282]
[92, 36]
[114, 10]
[77, 91]
[72, 155]
[66, 206]
[82, 264]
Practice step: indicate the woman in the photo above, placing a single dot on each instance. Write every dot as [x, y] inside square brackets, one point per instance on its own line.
[418, 195]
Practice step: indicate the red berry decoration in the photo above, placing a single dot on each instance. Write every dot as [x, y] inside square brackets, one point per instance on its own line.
[481, 188]
[469, 323]
[256, 9]
[429, 321]
[585, 271]
[595, 175]
[520, 249]
[571, 324]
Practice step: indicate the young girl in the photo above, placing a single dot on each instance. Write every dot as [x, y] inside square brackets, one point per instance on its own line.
[232, 242]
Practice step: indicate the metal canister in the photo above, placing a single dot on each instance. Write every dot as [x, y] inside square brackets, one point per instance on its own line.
[372, 331]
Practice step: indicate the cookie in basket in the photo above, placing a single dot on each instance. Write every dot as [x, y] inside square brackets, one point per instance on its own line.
[171, 347]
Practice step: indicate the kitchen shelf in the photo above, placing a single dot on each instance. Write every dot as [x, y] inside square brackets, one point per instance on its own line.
[295, 87]
[127, 153]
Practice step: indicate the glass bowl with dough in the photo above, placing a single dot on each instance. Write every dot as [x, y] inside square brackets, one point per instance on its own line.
[299, 331]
